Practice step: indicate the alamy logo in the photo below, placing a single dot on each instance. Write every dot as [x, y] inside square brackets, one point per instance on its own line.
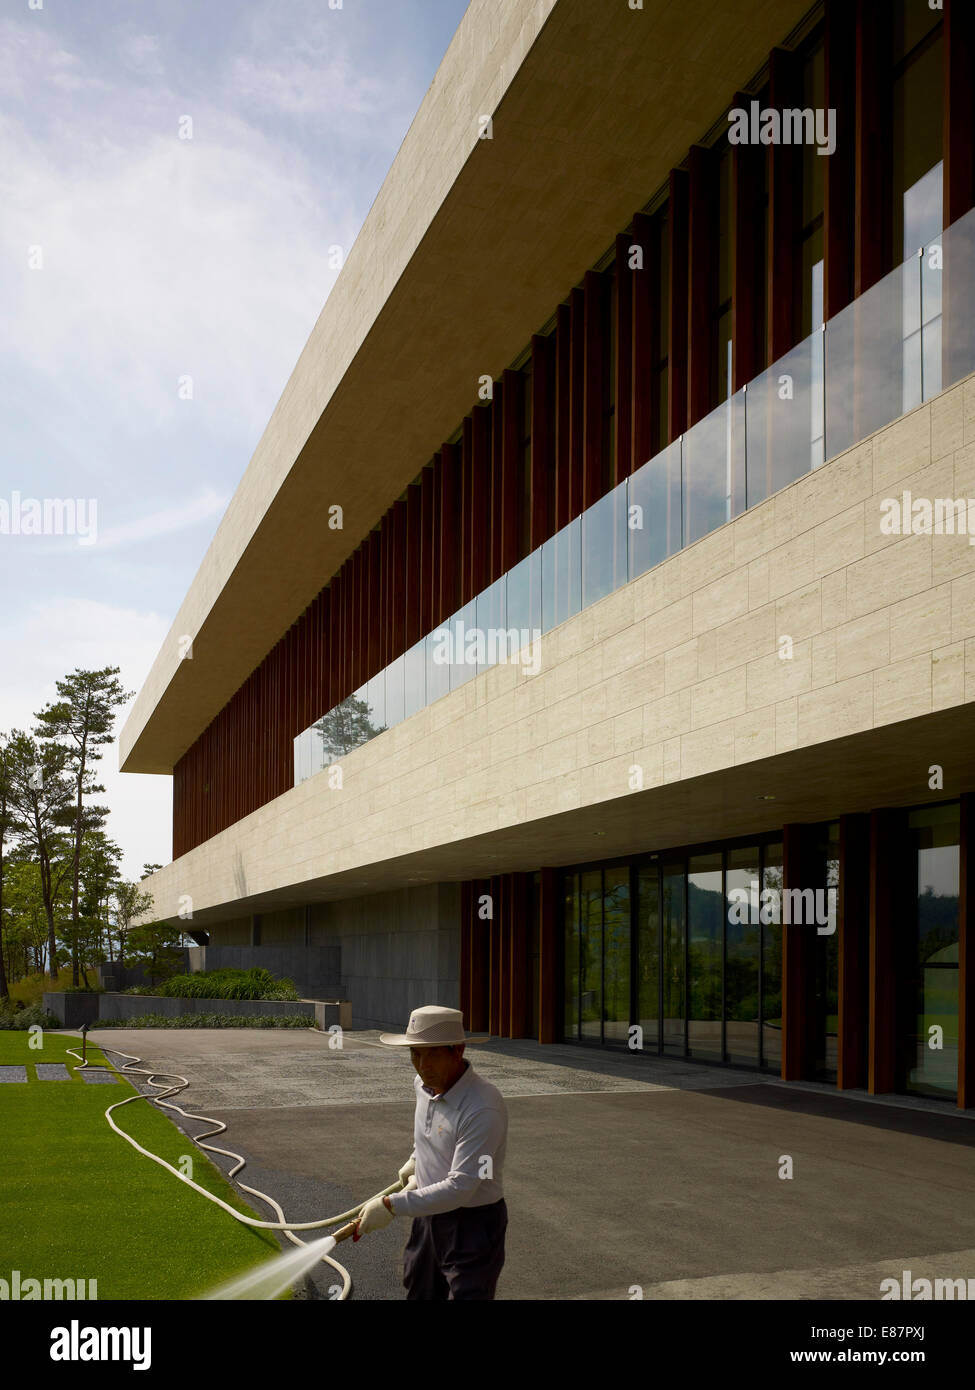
[493, 646]
[793, 126]
[77, 1343]
[924, 516]
[801, 907]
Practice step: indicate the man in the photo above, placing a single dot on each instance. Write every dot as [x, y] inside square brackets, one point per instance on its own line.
[452, 1180]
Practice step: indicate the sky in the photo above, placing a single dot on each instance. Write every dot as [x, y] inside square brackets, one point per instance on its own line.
[174, 176]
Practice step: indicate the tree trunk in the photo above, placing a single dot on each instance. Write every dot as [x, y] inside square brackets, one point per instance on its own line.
[3, 969]
[79, 821]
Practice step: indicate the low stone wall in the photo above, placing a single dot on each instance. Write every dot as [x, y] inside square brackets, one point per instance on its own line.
[74, 1010]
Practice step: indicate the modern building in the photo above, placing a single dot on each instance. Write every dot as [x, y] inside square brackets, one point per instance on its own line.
[591, 639]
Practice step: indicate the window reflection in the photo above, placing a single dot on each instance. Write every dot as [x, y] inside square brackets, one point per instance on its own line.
[930, 1012]
[673, 947]
[772, 875]
[571, 935]
[648, 954]
[590, 954]
[705, 936]
[742, 953]
[616, 954]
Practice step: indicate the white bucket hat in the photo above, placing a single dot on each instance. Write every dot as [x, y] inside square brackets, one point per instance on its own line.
[431, 1026]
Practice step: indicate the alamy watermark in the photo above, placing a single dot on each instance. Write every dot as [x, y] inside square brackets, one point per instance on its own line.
[25, 1289]
[457, 645]
[801, 907]
[50, 516]
[793, 126]
[925, 516]
[925, 1290]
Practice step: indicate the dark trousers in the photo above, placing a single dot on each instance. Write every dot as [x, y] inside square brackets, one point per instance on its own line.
[456, 1254]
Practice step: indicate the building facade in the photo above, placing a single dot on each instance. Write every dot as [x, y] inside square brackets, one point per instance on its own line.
[591, 640]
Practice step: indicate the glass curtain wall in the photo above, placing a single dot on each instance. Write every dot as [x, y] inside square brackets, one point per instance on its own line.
[673, 946]
[771, 1004]
[685, 947]
[597, 955]
[705, 918]
[826, 1009]
[929, 995]
[743, 950]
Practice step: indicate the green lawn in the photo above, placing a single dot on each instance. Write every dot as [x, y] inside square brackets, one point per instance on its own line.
[79, 1202]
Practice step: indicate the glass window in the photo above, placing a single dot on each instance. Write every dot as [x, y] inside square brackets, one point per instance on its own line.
[460, 625]
[772, 960]
[654, 519]
[438, 651]
[930, 1037]
[673, 947]
[871, 369]
[562, 575]
[524, 597]
[491, 626]
[826, 1010]
[742, 956]
[648, 955]
[571, 949]
[604, 546]
[395, 691]
[591, 954]
[714, 469]
[346, 727]
[616, 954]
[922, 292]
[784, 412]
[415, 676]
[916, 126]
[319, 760]
[705, 940]
[376, 702]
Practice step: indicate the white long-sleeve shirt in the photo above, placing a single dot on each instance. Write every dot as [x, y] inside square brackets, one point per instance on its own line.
[459, 1141]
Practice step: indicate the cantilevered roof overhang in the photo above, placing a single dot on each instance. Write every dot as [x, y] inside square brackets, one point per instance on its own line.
[468, 247]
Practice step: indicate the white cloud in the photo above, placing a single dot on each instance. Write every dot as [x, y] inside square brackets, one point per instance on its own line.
[165, 521]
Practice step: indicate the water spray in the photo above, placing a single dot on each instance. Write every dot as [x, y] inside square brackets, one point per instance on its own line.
[273, 1277]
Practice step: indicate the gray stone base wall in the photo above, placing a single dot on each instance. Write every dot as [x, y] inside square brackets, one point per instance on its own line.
[399, 950]
[386, 954]
[315, 970]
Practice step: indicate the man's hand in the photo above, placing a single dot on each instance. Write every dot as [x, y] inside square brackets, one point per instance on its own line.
[373, 1217]
[407, 1170]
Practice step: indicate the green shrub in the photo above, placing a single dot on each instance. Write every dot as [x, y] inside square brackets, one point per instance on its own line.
[21, 1018]
[257, 983]
[210, 1021]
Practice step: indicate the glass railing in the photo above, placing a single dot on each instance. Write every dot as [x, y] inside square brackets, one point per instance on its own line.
[901, 343]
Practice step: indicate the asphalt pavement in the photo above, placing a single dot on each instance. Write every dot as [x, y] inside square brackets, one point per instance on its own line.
[625, 1176]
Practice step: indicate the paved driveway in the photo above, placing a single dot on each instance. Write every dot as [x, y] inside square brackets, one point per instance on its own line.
[621, 1171]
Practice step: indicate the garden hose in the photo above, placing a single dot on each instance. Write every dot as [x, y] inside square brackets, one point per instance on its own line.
[130, 1069]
